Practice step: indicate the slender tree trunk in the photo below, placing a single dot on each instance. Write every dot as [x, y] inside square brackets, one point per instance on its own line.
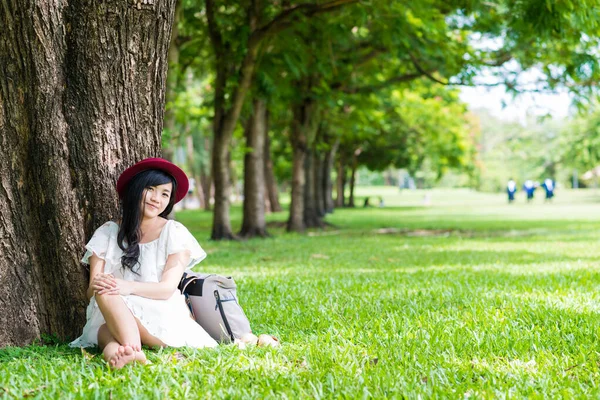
[340, 201]
[198, 192]
[311, 216]
[220, 173]
[81, 98]
[352, 181]
[205, 177]
[328, 164]
[226, 118]
[270, 181]
[296, 219]
[254, 223]
[303, 132]
[318, 185]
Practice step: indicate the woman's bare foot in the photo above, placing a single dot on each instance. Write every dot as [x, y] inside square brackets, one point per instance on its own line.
[140, 357]
[123, 356]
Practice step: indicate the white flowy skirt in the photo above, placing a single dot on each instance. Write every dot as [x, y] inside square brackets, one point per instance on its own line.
[168, 320]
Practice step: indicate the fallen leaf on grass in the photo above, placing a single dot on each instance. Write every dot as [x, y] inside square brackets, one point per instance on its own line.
[32, 392]
[301, 363]
[86, 355]
[176, 357]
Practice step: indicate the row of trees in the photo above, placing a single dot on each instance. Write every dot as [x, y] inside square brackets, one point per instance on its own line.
[83, 87]
[538, 148]
[339, 84]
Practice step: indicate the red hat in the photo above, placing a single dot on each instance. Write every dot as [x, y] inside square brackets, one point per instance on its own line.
[155, 163]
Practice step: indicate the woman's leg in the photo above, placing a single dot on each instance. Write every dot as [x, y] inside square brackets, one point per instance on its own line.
[119, 337]
[116, 355]
[120, 321]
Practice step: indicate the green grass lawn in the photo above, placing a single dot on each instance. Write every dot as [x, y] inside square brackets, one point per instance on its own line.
[468, 297]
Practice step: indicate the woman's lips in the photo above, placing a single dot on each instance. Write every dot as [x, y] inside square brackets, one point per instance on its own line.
[152, 206]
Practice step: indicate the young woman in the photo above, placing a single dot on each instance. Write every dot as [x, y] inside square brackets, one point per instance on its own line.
[135, 267]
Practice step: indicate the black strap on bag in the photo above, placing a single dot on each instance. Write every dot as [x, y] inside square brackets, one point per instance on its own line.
[190, 285]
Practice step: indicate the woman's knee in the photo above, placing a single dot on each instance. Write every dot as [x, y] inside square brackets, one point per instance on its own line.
[104, 299]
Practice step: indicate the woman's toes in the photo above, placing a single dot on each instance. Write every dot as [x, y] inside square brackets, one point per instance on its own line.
[123, 356]
[128, 351]
[114, 361]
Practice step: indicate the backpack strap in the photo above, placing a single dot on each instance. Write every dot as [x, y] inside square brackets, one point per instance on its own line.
[191, 285]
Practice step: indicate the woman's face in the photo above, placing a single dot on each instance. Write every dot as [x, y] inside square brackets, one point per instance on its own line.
[155, 199]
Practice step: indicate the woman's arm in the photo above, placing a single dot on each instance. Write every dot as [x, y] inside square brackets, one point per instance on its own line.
[164, 289]
[99, 281]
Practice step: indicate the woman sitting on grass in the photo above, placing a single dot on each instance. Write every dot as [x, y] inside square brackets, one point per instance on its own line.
[135, 267]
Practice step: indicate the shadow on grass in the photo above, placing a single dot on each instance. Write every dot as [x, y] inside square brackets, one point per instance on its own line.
[37, 351]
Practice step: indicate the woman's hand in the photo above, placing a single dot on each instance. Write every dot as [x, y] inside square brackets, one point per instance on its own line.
[104, 284]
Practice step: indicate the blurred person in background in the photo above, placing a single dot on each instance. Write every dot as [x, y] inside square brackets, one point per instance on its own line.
[511, 189]
[549, 187]
[529, 188]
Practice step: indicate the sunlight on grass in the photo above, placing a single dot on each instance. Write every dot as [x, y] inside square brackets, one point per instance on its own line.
[466, 298]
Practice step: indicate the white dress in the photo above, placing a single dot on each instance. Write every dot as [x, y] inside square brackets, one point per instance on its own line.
[168, 320]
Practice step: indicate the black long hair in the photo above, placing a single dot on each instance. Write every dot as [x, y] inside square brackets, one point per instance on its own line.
[132, 211]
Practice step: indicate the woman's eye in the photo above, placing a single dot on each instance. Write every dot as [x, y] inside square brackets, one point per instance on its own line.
[165, 195]
[150, 189]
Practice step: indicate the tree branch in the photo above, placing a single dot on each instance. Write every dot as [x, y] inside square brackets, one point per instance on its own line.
[281, 21]
[423, 71]
[382, 85]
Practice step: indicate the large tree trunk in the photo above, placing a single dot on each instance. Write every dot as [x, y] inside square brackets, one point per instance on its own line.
[253, 223]
[303, 132]
[81, 98]
[328, 164]
[270, 181]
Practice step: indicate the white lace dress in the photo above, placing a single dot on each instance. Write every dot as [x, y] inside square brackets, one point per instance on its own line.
[168, 320]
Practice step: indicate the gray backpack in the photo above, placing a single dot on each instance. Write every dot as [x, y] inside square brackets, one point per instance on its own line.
[213, 302]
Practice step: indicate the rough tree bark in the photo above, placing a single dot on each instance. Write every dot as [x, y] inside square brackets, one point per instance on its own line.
[253, 223]
[270, 181]
[81, 98]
